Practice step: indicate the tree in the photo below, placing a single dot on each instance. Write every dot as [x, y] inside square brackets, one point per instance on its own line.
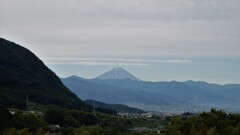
[212, 131]
[6, 118]
[54, 117]
[70, 121]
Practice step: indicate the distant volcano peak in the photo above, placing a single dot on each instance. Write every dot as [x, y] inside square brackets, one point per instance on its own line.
[117, 73]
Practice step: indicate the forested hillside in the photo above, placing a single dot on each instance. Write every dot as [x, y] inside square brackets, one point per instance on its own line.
[22, 74]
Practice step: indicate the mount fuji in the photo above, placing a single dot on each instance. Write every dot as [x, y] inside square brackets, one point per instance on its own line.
[118, 73]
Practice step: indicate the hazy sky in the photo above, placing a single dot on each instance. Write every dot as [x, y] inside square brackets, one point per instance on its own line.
[158, 40]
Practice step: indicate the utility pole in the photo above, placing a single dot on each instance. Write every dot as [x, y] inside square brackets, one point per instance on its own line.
[94, 107]
[27, 103]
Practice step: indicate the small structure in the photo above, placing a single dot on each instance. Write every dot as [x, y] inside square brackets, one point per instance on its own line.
[54, 127]
[12, 112]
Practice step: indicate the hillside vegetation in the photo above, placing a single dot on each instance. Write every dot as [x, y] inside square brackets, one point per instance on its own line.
[23, 74]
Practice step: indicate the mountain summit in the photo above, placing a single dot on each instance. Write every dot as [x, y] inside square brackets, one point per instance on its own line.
[117, 73]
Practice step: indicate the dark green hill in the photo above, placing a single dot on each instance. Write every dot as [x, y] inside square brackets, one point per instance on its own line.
[22, 74]
[118, 107]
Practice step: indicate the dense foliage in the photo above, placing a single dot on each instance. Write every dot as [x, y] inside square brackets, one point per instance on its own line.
[20, 120]
[22, 74]
[78, 122]
[70, 121]
[207, 123]
[70, 118]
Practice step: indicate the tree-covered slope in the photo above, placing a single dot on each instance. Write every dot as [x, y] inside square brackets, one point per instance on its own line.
[118, 107]
[22, 74]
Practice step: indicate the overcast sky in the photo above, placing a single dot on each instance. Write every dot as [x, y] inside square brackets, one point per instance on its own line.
[158, 40]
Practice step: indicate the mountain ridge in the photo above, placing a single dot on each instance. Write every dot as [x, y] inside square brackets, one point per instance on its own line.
[173, 93]
[23, 74]
[87, 89]
[118, 107]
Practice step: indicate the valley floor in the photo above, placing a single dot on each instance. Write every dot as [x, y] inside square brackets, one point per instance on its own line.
[74, 122]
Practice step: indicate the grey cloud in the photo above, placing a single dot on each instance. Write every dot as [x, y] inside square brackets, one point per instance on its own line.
[124, 28]
[174, 10]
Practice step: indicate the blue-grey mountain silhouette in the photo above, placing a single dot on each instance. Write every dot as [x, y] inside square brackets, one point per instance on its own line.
[117, 73]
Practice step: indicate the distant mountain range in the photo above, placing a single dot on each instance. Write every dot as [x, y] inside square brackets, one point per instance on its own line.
[94, 89]
[131, 91]
[117, 73]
